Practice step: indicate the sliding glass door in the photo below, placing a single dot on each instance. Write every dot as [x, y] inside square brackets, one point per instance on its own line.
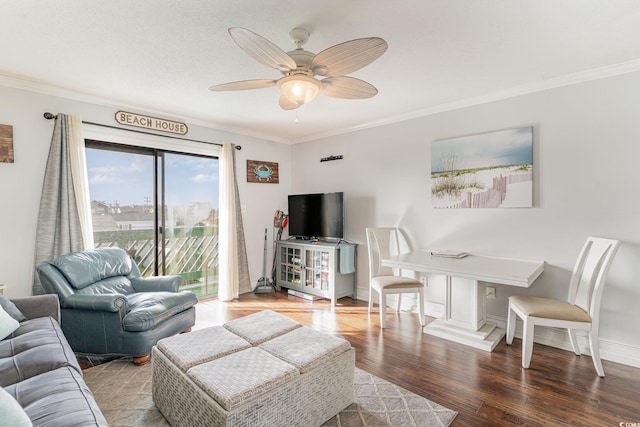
[160, 206]
[190, 237]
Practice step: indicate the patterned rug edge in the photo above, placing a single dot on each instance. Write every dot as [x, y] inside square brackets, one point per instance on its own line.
[123, 393]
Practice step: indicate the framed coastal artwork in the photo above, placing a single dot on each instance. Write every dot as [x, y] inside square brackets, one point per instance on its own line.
[489, 170]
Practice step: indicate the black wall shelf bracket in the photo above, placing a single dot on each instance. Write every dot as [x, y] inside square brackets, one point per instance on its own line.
[330, 158]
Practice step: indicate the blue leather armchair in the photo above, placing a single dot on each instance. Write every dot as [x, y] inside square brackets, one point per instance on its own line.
[106, 308]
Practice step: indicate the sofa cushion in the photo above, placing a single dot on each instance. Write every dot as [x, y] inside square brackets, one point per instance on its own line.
[36, 324]
[148, 309]
[31, 353]
[11, 413]
[84, 268]
[11, 309]
[16, 345]
[7, 324]
[58, 398]
[30, 363]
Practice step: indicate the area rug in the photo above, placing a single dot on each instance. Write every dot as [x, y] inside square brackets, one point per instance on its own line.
[123, 392]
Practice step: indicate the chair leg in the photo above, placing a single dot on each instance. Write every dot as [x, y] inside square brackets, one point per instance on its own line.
[527, 342]
[594, 346]
[399, 303]
[574, 342]
[370, 300]
[383, 308]
[511, 326]
[421, 306]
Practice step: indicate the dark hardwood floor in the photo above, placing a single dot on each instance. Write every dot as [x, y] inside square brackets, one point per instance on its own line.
[487, 389]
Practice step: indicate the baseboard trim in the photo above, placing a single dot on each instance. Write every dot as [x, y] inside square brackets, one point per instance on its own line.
[609, 350]
[554, 337]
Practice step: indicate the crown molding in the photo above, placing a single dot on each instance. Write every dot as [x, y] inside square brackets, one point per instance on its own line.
[529, 88]
[19, 82]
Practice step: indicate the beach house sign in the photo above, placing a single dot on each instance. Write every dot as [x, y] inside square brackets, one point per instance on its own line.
[151, 123]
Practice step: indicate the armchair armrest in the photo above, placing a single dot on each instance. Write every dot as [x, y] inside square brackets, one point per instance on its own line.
[96, 302]
[39, 306]
[156, 283]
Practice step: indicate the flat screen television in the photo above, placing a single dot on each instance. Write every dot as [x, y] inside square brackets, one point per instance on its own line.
[316, 216]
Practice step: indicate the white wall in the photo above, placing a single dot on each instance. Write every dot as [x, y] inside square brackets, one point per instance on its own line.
[21, 181]
[586, 150]
[586, 153]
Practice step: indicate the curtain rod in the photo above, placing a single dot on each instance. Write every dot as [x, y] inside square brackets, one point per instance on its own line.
[50, 116]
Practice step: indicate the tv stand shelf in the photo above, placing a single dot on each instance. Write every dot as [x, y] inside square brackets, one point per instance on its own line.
[317, 267]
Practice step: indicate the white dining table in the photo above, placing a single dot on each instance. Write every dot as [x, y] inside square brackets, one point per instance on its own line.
[465, 314]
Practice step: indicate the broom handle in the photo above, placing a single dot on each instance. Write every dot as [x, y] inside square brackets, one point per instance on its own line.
[264, 257]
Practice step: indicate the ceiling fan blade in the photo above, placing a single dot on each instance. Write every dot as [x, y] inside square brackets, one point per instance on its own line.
[244, 85]
[262, 50]
[347, 57]
[285, 104]
[347, 88]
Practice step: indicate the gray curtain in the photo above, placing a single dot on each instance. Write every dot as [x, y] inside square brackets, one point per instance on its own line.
[58, 231]
[233, 270]
[243, 263]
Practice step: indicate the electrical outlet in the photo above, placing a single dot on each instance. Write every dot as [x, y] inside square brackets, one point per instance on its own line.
[491, 292]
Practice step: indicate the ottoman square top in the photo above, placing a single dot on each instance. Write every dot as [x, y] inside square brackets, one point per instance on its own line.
[261, 326]
[243, 376]
[306, 348]
[200, 346]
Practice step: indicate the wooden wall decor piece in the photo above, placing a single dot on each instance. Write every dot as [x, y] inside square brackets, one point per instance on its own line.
[264, 172]
[6, 143]
[152, 123]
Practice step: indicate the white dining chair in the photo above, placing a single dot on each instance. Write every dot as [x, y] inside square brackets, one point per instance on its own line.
[382, 242]
[579, 312]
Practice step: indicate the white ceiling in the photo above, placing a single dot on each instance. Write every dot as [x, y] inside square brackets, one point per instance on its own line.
[162, 55]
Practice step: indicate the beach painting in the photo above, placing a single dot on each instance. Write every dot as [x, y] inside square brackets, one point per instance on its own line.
[489, 170]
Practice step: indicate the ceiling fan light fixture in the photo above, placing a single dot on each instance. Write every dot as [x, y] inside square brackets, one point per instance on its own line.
[300, 67]
[299, 88]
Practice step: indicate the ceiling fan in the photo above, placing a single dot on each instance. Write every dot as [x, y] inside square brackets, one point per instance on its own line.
[300, 67]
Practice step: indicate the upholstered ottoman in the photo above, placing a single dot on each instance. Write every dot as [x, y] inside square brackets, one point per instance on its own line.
[260, 370]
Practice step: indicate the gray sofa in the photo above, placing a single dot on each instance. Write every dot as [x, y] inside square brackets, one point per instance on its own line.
[40, 371]
[107, 308]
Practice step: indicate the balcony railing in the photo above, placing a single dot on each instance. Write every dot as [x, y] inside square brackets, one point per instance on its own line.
[191, 252]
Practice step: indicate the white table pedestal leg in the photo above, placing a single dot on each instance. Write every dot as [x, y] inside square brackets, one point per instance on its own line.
[465, 316]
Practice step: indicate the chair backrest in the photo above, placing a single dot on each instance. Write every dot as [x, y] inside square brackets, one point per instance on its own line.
[590, 274]
[95, 271]
[382, 242]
